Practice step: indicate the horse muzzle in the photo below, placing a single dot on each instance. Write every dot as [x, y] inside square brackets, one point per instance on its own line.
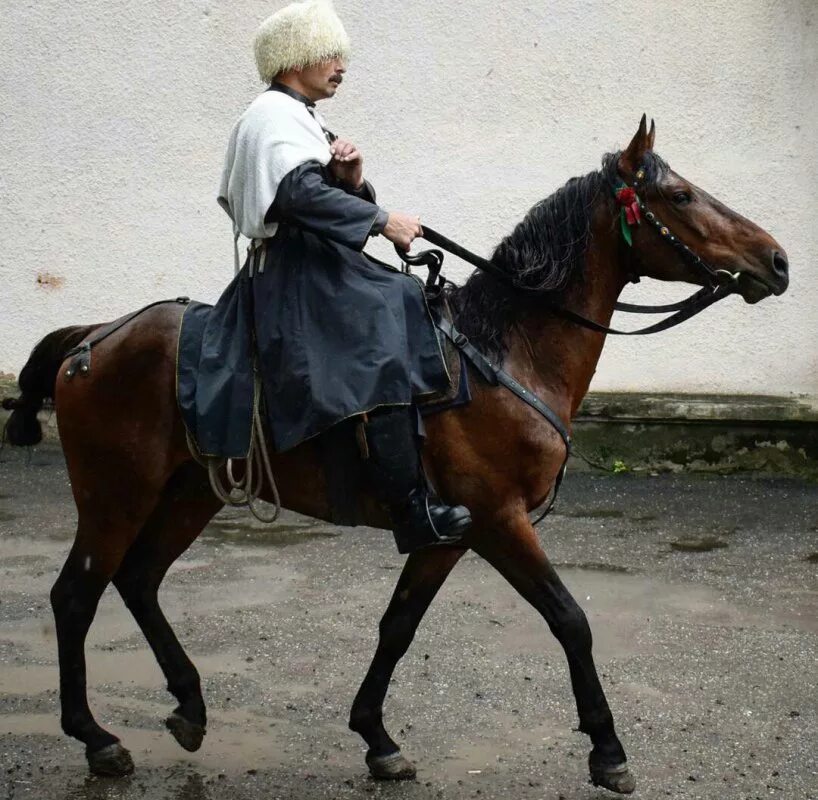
[765, 277]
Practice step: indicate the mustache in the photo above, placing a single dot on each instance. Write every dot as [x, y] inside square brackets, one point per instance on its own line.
[337, 79]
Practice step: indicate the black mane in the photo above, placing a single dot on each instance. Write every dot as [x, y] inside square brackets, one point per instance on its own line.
[544, 252]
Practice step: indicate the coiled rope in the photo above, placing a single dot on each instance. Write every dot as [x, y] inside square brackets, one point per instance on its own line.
[244, 491]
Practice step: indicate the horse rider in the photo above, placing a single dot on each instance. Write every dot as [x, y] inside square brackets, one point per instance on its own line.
[340, 336]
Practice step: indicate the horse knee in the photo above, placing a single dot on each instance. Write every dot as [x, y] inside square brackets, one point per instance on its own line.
[136, 592]
[571, 627]
[396, 634]
[137, 583]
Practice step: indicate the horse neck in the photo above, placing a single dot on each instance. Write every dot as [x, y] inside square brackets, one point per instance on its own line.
[560, 357]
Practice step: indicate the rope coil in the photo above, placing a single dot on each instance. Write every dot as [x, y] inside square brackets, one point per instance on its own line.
[244, 491]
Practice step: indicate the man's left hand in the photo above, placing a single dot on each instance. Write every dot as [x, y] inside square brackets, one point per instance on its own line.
[347, 163]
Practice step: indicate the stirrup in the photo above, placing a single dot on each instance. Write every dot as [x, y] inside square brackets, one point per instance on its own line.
[415, 534]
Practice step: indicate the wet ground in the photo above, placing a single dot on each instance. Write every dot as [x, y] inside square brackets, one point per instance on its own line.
[702, 594]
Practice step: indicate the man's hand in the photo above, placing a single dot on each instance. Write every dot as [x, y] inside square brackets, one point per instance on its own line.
[347, 163]
[402, 229]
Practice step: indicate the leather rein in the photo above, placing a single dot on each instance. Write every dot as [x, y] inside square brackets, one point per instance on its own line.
[720, 282]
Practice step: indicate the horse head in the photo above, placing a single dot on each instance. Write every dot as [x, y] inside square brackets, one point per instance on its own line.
[710, 240]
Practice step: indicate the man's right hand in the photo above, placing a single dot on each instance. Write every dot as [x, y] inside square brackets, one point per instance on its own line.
[402, 229]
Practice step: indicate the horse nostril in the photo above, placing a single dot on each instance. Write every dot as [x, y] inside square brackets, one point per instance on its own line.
[781, 266]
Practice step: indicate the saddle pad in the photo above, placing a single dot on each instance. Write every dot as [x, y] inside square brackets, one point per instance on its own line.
[214, 387]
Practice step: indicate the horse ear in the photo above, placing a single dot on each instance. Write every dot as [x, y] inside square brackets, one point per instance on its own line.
[633, 155]
[651, 134]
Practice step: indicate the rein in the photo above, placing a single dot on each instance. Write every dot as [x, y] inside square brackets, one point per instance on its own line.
[721, 283]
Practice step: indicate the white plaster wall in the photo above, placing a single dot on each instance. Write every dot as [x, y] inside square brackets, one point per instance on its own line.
[114, 116]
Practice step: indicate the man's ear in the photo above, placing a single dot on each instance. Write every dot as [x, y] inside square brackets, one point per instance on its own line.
[634, 154]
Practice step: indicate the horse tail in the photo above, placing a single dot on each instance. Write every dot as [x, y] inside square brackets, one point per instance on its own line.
[37, 381]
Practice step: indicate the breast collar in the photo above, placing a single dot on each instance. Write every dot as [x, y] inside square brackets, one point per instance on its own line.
[302, 98]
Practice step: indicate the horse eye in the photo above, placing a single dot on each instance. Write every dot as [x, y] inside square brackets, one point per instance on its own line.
[681, 198]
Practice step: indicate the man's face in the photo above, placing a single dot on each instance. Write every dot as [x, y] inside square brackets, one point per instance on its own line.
[322, 80]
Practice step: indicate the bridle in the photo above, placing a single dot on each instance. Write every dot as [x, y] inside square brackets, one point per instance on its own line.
[716, 277]
[720, 282]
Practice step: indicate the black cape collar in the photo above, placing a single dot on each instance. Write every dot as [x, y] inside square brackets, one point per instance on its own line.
[302, 98]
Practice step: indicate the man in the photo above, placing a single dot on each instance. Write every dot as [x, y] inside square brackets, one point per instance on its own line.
[338, 333]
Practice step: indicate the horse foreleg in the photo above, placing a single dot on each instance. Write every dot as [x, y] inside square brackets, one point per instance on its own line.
[516, 553]
[186, 506]
[424, 573]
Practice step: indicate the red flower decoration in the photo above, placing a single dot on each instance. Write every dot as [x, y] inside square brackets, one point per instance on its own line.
[626, 197]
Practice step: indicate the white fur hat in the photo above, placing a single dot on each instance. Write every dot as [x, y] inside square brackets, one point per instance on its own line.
[299, 35]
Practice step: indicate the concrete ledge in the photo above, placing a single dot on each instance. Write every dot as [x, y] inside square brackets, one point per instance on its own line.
[700, 433]
[621, 432]
[689, 408]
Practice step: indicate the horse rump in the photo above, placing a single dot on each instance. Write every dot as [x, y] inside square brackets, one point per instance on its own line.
[37, 381]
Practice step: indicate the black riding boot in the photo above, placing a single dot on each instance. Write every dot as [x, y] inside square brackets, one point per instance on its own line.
[396, 477]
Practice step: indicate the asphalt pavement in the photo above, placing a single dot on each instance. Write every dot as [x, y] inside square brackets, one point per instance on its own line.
[702, 593]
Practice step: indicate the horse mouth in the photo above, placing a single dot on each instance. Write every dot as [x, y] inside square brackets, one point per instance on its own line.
[754, 289]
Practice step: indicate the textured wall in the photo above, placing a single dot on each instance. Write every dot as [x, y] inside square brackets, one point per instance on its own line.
[114, 116]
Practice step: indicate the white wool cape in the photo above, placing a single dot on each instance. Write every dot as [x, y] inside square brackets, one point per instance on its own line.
[271, 138]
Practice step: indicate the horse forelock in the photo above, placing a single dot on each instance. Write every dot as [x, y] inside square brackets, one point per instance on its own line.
[545, 252]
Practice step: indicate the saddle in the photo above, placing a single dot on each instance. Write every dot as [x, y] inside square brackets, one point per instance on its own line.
[458, 393]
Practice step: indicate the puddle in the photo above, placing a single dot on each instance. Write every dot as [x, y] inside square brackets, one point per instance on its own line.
[235, 741]
[812, 558]
[7, 516]
[596, 513]
[618, 606]
[701, 544]
[275, 535]
[25, 560]
[594, 567]
[478, 761]
[108, 663]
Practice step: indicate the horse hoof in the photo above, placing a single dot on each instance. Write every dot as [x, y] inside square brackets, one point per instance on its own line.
[618, 779]
[113, 761]
[393, 767]
[187, 733]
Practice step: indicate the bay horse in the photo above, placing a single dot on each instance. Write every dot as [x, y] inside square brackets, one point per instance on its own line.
[142, 499]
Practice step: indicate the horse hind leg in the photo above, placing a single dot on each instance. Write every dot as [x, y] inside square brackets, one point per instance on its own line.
[186, 506]
[423, 574]
[98, 549]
